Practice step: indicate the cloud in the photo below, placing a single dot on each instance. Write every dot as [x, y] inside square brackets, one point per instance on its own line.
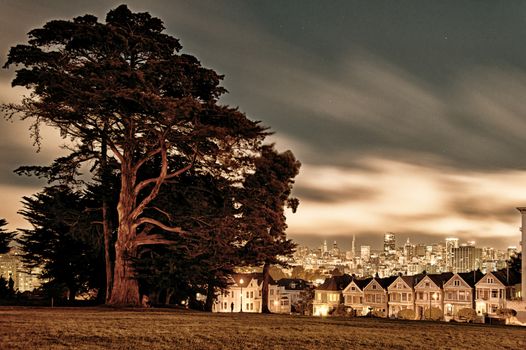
[409, 198]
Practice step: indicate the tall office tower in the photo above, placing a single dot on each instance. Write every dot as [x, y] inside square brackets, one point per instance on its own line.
[466, 258]
[353, 250]
[335, 251]
[389, 243]
[365, 253]
[450, 244]
[324, 249]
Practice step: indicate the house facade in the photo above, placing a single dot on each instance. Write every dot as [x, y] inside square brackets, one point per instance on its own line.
[245, 295]
[429, 294]
[293, 292]
[401, 294]
[376, 296]
[328, 296]
[459, 293]
[353, 296]
[494, 290]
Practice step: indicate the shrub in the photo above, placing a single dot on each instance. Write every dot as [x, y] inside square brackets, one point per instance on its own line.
[506, 313]
[377, 313]
[436, 314]
[467, 314]
[406, 314]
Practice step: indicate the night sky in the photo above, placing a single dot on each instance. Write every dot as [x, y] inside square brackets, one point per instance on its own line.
[408, 116]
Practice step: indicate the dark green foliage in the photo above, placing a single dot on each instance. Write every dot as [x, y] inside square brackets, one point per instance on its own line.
[5, 237]
[266, 193]
[205, 255]
[515, 262]
[63, 240]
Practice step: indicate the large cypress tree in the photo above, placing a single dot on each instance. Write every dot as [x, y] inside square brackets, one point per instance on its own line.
[124, 84]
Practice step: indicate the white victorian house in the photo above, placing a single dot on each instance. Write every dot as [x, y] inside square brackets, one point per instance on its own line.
[245, 295]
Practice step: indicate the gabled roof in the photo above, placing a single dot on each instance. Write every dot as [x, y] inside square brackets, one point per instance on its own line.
[471, 278]
[294, 283]
[508, 277]
[247, 277]
[410, 281]
[438, 279]
[336, 283]
[386, 281]
[362, 283]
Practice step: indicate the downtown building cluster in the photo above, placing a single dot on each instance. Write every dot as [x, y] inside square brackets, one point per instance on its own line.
[407, 259]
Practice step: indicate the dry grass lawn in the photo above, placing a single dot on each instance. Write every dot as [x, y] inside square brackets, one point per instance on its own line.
[104, 328]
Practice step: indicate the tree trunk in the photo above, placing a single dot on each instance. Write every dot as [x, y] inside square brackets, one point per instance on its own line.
[264, 289]
[107, 238]
[210, 296]
[169, 293]
[125, 291]
[72, 294]
[106, 225]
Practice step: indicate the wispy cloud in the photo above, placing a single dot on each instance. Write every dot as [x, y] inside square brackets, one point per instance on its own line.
[411, 198]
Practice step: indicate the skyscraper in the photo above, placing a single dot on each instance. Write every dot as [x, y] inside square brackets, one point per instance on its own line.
[466, 258]
[365, 253]
[389, 243]
[450, 244]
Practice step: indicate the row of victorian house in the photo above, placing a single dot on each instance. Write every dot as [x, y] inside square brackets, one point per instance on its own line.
[448, 292]
[381, 297]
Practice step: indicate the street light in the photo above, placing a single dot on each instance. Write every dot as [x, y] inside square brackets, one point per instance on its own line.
[435, 297]
[241, 305]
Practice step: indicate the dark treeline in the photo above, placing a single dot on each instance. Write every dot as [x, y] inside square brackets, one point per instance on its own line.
[182, 191]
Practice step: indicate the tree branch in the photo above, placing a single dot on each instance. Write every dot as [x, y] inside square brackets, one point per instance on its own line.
[115, 151]
[158, 182]
[141, 185]
[145, 159]
[158, 224]
[168, 216]
[151, 239]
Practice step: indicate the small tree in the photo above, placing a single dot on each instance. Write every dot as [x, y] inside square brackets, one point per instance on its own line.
[5, 237]
[266, 194]
[62, 241]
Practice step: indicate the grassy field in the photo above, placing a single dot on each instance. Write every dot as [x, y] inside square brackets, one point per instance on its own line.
[103, 328]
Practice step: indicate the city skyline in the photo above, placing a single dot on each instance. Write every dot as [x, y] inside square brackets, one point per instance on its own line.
[377, 246]
[406, 117]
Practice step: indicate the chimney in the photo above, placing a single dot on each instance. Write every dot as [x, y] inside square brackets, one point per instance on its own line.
[523, 245]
